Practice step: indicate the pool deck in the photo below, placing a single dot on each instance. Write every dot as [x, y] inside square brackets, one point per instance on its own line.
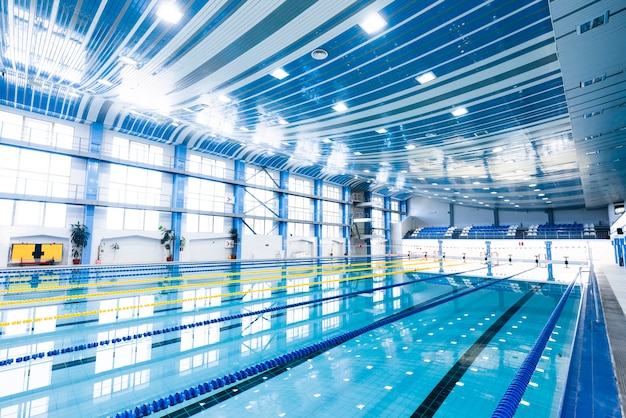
[612, 284]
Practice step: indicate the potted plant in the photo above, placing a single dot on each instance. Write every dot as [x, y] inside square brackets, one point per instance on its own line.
[100, 252]
[183, 242]
[167, 240]
[79, 237]
[234, 236]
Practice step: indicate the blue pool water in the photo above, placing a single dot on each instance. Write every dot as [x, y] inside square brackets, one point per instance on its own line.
[373, 340]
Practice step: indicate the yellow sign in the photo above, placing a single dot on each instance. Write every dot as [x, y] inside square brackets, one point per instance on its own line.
[36, 253]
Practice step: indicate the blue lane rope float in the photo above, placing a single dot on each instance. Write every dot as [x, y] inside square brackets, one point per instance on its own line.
[80, 347]
[513, 395]
[308, 351]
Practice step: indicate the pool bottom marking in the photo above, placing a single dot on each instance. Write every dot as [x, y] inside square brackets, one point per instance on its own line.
[440, 392]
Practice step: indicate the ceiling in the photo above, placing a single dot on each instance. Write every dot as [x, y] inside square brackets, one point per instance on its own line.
[527, 109]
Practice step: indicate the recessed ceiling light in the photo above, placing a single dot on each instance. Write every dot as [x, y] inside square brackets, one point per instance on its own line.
[340, 107]
[279, 73]
[541, 194]
[409, 147]
[128, 61]
[426, 77]
[169, 12]
[459, 111]
[373, 23]
[381, 131]
[497, 149]
[319, 54]
[366, 171]
[357, 153]
[476, 182]
[283, 122]
[225, 99]
[327, 140]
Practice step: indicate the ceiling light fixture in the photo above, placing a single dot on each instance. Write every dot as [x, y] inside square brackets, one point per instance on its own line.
[340, 107]
[459, 111]
[373, 23]
[381, 131]
[409, 147]
[169, 12]
[128, 61]
[426, 77]
[279, 73]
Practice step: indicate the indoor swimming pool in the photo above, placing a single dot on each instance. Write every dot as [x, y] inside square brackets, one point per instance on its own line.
[344, 337]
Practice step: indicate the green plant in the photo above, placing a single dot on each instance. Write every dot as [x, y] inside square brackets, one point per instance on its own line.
[79, 237]
[167, 239]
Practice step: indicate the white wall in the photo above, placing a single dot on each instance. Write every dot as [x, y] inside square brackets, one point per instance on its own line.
[466, 216]
[582, 216]
[523, 218]
[428, 212]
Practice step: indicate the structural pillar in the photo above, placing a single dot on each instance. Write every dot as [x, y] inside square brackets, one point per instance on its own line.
[549, 260]
[488, 257]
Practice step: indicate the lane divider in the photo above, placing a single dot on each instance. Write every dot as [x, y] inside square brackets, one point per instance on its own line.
[66, 298]
[81, 347]
[294, 356]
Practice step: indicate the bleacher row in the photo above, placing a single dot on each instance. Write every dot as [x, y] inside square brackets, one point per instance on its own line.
[566, 231]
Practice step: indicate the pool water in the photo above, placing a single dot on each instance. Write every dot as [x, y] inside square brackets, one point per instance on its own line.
[141, 339]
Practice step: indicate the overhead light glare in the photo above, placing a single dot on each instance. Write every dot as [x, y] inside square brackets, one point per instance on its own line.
[283, 122]
[327, 140]
[169, 12]
[225, 99]
[105, 82]
[373, 23]
[340, 107]
[426, 77]
[128, 61]
[358, 153]
[279, 73]
[381, 131]
[497, 149]
[459, 111]
[409, 147]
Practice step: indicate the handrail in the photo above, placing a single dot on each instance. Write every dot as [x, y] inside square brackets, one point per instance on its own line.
[513, 395]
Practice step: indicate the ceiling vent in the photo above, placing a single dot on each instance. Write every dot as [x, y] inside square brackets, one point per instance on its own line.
[592, 80]
[593, 23]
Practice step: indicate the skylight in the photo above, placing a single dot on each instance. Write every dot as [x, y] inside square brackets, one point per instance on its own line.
[373, 23]
[279, 73]
[169, 12]
[426, 77]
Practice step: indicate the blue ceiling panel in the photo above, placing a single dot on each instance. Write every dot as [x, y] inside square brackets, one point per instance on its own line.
[507, 105]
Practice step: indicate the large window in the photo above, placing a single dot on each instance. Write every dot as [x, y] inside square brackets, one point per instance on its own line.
[132, 219]
[331, 212]
[135, 186]
[300, 208]
[331, 192]
[261, 177]
[125, 149]
[34, 173]
[36, 131]
[206, 166]
[263, 203]
[300, 185]
[203, 223]
[205, 195]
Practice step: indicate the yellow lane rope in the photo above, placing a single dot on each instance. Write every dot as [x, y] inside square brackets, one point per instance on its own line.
[176, 301]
